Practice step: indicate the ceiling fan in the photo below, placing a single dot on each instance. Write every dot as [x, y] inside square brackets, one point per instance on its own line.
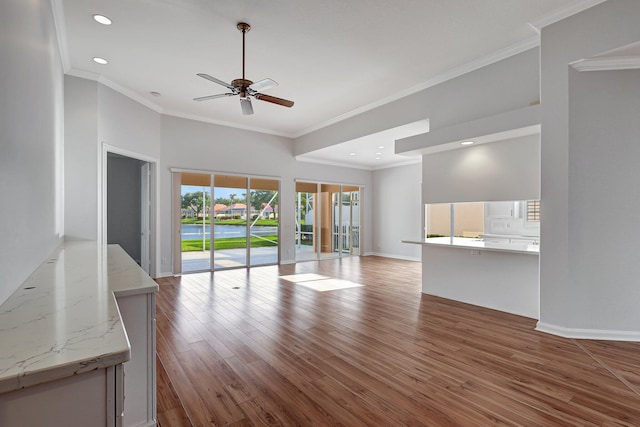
[245, 88]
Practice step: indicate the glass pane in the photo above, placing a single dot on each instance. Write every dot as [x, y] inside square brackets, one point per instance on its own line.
[306, 221]
[438, 220]
[468, 219]
[263, 226]
[230, 224]
[195, 223]
[329, 220]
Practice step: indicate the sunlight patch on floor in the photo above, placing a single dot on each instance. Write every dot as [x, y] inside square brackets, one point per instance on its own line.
[320, 283]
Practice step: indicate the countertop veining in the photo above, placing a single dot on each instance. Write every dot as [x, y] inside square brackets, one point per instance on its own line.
[64, 319]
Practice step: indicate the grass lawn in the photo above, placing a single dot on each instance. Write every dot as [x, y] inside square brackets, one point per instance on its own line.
[229, 243]
[271, 222]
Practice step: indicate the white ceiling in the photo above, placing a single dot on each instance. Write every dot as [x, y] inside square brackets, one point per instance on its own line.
[334, 58]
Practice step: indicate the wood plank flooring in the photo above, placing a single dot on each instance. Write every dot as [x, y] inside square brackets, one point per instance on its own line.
[244, 348]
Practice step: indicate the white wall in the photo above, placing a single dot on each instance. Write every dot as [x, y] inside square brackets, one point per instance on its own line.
[31, 140]
[504, 170]
[572, 303]
[397, 211]
[604, 199]
[188, 144]
[502, 281]
[97, 115]
[81, 158]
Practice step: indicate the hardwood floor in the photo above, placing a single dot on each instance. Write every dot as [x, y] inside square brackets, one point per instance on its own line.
[250, 348]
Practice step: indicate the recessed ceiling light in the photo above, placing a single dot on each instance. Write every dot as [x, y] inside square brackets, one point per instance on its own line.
[101, 19]
[378, 154]
[467, 142]
[380, 146]
[100, 61]
[377, 158]
[352, 154]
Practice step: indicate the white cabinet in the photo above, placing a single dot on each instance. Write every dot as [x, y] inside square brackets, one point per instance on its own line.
[138, 315]
[88, 399]
[77, 343]
[500, 209]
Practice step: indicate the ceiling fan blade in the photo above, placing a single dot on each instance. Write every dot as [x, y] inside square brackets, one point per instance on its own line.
[206, 98]
[263, 84]
[213, 79]
[247, 108]
[274, 100]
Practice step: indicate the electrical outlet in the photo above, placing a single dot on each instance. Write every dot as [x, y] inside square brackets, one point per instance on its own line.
[164, 260]
[475, 251]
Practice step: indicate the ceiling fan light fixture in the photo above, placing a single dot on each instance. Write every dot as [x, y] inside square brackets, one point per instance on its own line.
[247, 108]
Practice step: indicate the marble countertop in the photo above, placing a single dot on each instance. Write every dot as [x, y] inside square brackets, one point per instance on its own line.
[64, 319]
[470, 243]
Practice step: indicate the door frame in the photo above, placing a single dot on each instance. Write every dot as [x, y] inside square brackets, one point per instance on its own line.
[154, 197]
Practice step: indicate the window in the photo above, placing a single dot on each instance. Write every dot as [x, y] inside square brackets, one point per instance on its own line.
[533, 210]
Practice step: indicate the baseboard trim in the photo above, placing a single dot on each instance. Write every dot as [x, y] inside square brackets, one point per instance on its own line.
[588, 334]
[402, 257]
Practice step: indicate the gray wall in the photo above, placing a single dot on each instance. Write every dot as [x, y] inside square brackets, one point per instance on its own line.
[572, 302]
[504, 170]
[31, 140]
[507, 85]
[81, 158]
[123, 204]
[397, 211]
[188, 144]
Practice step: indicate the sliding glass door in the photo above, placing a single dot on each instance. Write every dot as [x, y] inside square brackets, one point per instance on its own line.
[214, 214]
[230, 225]
[195, 222]
[327, 220]
[263, 225]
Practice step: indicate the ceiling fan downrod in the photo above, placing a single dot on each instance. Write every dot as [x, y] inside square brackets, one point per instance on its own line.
[244, 28]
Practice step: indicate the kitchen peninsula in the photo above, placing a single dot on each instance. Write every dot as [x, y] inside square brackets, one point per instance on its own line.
[69, 334]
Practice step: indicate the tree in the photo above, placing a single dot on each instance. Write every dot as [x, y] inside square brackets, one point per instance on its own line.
[258, 197]
[193, 201]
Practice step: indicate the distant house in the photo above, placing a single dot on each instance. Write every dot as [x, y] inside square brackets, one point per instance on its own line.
[268, 212]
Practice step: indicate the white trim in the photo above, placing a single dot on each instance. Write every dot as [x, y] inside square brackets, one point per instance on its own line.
[226, 124]
[206, 172]
[311, 181]
[590, 334]
[476, 64]
[155, 197]
[393, 256]
[130, 94]
[61, 32]
[607, 63]
[410, 161]
[289, 261]
[564, 12]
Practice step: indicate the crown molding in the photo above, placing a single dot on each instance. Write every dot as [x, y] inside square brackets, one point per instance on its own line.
[564, 12]
[607, 63]
[224, 123]
[468, 67]
[61, 33]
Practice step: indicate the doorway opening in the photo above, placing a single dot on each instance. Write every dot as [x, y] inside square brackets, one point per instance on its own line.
[127, 212]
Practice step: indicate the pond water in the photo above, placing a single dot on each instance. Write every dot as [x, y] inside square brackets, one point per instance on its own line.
[194, 231]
